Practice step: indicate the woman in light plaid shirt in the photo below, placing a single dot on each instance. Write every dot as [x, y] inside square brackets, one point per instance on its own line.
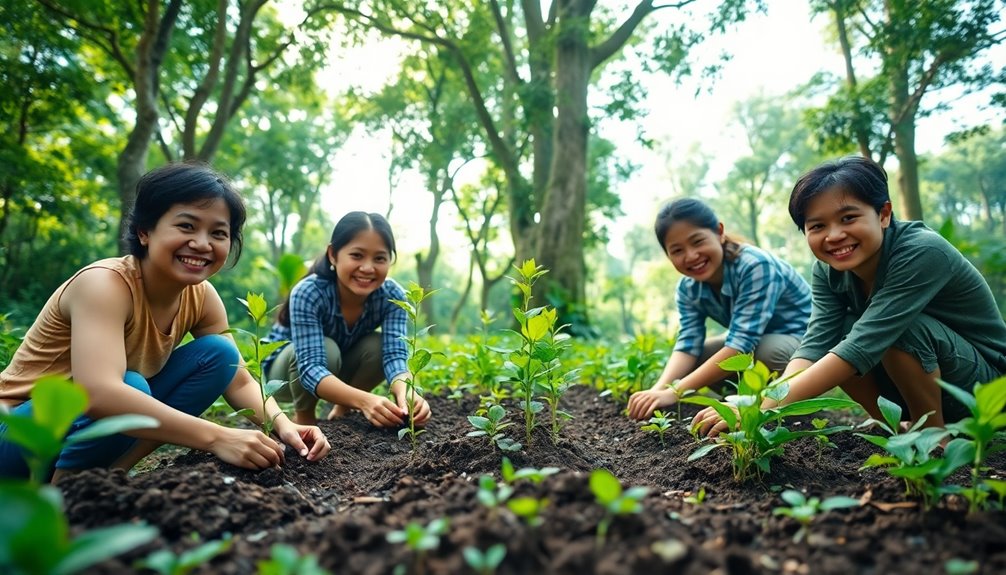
[331, 319]
[760, 299]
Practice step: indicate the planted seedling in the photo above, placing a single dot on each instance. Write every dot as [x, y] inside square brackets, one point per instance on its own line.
[56, 403]
[491, 426]
[698, 498]
[167, 562]
[532, 474]
[805, 509]
[526, 364]
[529, 509]
[982, 427]
[608, 492]
[493, 494]
[419, 357]
[819, 424]
[255, 351]
[484, 563]
[658, 424]
[909, 454]
[285, 560]
[750, 439]
[420, 539]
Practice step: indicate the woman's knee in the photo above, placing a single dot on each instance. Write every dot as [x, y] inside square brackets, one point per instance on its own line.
[215, 352]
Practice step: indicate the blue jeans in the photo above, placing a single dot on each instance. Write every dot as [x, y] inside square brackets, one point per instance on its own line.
[195, 375]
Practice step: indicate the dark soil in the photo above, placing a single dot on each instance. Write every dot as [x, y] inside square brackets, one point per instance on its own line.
[341, 508]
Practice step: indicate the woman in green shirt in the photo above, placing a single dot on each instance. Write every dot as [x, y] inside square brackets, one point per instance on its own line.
[895, 308]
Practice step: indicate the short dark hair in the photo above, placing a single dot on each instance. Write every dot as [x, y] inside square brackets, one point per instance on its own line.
[182, 183]
[697, 213]
[859, 176]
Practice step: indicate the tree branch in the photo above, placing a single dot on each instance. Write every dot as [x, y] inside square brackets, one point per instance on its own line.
[504, 32]
[621, 35]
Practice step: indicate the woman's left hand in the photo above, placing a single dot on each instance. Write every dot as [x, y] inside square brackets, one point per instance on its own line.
[421, 409]
[307, 440]
[709, 423]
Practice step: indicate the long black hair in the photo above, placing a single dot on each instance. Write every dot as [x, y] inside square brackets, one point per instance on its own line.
[697, 213]
[182, 183]
[348, 227]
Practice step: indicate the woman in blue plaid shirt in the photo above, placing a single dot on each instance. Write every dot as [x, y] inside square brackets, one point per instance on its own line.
[330, 319]
[760, 299]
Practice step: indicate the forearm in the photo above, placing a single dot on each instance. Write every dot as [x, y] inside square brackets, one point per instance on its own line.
[245, 393]
[709, 372]
[333, 389]
[176, 427]
[678, 365]
[815, 379]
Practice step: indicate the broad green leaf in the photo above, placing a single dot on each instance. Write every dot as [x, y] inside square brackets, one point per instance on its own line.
[722, 409]
[959, 394]
[56, 402]
[704, 450]
[838, 502]
[100, 544]
[891, 412]
[496, 412]
[739, 362]
[272, 387]
[991, 399]
[408, 307]
[113, 424]
[32, 436]
[478, 421]
[813, 405]
[33, 530]
[605, 486]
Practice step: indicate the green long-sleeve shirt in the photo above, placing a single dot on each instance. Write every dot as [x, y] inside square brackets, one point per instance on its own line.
[919, 273]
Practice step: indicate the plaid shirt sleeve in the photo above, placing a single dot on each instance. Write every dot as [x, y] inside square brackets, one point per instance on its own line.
[692, 321]
[307, 304]
[394, 326]
[757, 288]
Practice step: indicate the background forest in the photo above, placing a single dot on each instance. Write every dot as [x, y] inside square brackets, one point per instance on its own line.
[511, 129]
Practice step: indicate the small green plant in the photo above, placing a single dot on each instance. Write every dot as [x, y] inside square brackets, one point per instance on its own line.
[285, 560]
[419, 357]
[982, 428]
[493, 494]
[529, 509]
[420, 539]
[609, 494]
[525, 363]
[680, 394]
[821, 423]
[492, 426]
[484, 563]
[255, 351]
[804, 509]
[909, 454]
[658, 424]
[751, 440]
[56, 403]
[167, 562]
[532, 474]
[698, 498]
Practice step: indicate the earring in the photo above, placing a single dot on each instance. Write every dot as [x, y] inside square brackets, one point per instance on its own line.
[331, 267]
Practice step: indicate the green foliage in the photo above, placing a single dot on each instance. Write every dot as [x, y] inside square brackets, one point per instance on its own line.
[419, 357]
[255, 351]
[609, 494]
[10, 340]
[56, 403]
[485, 563]
[822, 440]
[698, 498]
[804, 509]
[285, 560]
[909, 454]
[34, 535]
[982, 429]
[167, 562]
[658, 424]
[493, 494]
[492, 426]
[638, 369]
[532, 474]
[751, 440]
[420, 539]
[529, 509]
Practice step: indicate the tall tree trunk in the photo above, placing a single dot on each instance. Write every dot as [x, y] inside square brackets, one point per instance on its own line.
[860, 123]
[560, 233]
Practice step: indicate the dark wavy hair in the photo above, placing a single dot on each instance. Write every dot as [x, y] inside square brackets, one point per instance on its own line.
[348, 227]
[182, 183]
[697, 213]
[859, 176]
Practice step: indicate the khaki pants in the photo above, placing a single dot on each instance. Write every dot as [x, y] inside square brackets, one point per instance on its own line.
[361, 367]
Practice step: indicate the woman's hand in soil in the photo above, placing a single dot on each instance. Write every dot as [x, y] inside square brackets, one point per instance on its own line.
[642, 404]
[709, 423]
[421, 407]
[307, 440]
[381, 412]
[248, 448]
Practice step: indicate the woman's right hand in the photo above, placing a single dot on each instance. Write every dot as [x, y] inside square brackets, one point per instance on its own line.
[642, 404]
[248, 448]
[381, 412]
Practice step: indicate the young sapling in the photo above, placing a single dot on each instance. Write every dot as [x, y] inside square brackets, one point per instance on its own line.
[420, 539]
[659, 424]
[491, 426]
[698, 498]
[609, 494]
[255, 351]
[982, 428]
[804, 509]
[819, 424]
[484, 563]
[285, 560]
[532, 474]
[419, 357]
[167, 562]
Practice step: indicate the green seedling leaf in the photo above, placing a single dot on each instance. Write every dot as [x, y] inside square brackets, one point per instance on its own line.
[738, 363]
[605, 486]
[891, 412]
[112, 425]
[98, 545]
[56, 402]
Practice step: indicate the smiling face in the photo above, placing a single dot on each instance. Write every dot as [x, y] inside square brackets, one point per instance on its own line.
[845, 232]
[696, 252]
[361, 265]
[189, 243]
